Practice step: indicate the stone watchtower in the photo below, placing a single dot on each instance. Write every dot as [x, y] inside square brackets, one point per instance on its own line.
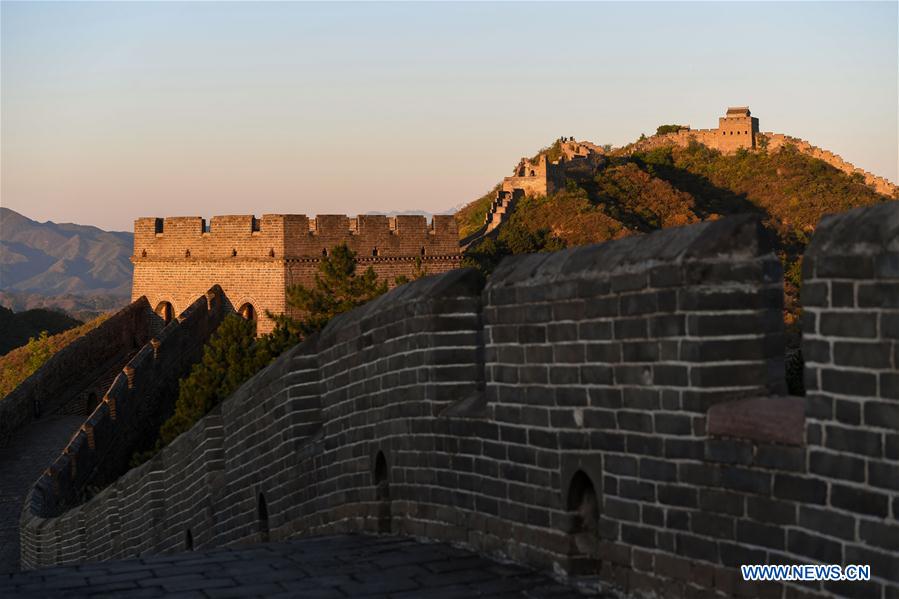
[176, 259]
[737, 129]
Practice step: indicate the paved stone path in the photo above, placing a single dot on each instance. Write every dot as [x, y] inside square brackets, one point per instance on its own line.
[31, 450]
[319, 567]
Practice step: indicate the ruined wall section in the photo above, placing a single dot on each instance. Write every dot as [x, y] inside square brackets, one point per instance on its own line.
[609, 409]
[64, 376]
[774, 141]
[771, 142]
[255, 260]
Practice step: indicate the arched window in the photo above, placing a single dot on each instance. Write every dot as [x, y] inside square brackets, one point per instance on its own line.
[533, 174]
[374, 251]
[324, 252]
[247, 311]
[165, 311]
[262, 515]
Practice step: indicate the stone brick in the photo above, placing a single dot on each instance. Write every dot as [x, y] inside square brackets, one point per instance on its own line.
[721, 502]
[849, 382]
[835, 465]
[762, 535]
[841, 324]
[816, 547]
[865, 355]
[853, 440]
[859, 500]
[795, 488]
[728, 451]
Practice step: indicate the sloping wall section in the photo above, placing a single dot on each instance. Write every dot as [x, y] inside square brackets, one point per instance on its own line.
[612, 409]
[69, 370]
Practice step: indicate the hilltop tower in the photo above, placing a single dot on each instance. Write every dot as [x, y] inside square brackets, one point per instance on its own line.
[176, 259]
[737, 129]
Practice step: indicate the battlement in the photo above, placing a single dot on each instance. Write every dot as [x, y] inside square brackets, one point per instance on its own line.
[255, 260]
[280, 236]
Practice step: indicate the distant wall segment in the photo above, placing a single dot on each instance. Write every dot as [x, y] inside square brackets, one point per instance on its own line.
[614, 409]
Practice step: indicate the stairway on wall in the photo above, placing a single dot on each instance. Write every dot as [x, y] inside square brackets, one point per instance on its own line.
[497, 214]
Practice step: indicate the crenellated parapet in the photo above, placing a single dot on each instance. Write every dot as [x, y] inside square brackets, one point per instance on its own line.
[287, 236]
[255, 260]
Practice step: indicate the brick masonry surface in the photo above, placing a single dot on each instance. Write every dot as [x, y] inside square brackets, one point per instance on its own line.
[42, 440]
[63, 377]
[317, 568]
[254, 260]
[613, 410]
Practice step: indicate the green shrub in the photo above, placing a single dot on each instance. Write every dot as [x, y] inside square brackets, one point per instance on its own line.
[663, 129]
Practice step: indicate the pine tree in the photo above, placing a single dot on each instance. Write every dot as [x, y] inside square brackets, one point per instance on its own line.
[229, 359]
[338, 289]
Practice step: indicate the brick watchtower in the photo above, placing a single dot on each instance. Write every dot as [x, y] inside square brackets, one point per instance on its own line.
[737, 129]
[177, 259]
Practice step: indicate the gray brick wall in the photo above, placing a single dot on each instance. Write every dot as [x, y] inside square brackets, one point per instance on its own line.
[614, 409]
[69, 371]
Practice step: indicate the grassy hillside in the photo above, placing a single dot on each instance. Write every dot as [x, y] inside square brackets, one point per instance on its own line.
[19, 364]
[674, 186]
[471, 217]
[17, 327]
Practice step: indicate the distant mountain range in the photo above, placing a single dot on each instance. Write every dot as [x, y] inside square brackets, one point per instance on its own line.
[51, 259]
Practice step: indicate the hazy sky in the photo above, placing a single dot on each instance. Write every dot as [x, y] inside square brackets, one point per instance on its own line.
[111, 111]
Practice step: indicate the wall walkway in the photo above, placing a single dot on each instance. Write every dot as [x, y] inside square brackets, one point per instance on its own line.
[615, 409]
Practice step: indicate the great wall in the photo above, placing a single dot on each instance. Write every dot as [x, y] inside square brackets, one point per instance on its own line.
[733, 134]
[615, 410]
[737, 130]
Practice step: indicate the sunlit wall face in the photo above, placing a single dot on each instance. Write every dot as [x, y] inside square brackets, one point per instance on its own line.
[116, 110]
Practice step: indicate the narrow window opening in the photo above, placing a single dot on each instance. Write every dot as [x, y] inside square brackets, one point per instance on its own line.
[382, 479]
[583, 507]
[187, 254]
[382, 494]
[262, 514]
[188, 541]
[374, 252]
[233, 253]
[325, 252]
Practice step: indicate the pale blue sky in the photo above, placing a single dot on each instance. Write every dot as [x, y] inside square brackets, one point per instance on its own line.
[111, 111]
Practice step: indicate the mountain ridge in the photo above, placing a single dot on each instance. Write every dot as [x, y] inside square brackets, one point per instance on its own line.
[54, 259]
